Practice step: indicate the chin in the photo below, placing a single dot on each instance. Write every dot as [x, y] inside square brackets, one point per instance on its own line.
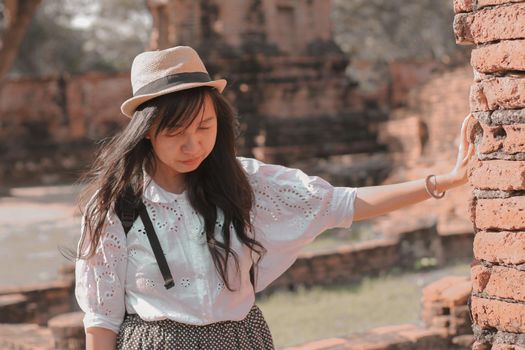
[191, 168]
[186, 168]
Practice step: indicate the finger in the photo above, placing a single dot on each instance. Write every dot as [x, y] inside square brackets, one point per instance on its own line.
[463, 131]
[466, 122]
[470, 152]
[461, 142]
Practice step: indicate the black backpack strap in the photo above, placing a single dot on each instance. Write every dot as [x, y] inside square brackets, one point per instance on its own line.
[155, 245]
[127, 210]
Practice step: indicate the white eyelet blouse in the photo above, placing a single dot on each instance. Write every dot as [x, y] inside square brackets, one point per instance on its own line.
[290, 210]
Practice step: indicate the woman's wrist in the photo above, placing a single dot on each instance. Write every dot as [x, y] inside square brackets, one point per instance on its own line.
[444, 182]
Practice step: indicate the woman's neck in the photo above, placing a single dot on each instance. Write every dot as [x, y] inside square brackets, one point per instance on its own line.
[168, 179]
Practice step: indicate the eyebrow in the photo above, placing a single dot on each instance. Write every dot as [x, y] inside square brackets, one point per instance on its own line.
[207, 119]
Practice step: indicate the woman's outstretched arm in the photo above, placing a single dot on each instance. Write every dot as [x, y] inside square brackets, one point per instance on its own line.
[374, 201]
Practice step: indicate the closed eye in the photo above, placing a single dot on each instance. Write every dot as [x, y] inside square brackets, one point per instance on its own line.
[174, 132]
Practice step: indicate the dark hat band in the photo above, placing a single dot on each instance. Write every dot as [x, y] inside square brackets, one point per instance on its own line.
[172, 80]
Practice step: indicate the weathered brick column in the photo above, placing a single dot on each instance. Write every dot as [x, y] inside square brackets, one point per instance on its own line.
[497, 100]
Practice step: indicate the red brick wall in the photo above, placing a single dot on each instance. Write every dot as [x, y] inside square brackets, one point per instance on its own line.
[497, 100]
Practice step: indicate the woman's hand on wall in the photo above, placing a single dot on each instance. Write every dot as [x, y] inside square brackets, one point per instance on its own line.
[465, 152]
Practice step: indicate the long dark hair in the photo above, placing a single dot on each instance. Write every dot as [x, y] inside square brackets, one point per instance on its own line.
[219, 181]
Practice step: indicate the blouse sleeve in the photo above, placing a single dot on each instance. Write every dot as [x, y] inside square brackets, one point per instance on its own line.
[291, 210]
[100, 280]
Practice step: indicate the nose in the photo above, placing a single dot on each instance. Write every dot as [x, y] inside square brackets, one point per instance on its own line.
[190, 145]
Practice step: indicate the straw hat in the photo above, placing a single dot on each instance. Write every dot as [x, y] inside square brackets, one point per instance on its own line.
[156, 73]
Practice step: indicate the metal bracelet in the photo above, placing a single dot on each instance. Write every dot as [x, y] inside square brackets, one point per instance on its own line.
[438, 195]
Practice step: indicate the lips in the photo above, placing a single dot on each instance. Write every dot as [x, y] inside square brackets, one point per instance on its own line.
[191, 161]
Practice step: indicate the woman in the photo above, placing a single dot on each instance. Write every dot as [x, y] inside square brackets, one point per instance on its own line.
[212, 228]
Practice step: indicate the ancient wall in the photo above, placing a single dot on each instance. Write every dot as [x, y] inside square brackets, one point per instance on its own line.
[497, 29]
[445, 305]
[286, 75]
[38, 302]
[50, 125]
[286, 79]
[287, 26]
[294, 97]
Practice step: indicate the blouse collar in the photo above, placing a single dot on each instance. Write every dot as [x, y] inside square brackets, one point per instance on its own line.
[155, 193]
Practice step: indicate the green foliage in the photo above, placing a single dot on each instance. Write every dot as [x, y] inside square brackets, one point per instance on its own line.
[425, 263]
[49, 48]
[75, 36]
[378, 30]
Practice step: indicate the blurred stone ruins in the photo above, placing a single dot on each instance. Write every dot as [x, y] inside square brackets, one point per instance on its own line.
[287, 78]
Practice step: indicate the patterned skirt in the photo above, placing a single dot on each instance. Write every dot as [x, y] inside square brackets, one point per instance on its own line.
[251, 333]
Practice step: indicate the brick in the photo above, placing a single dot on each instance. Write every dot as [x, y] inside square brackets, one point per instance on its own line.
[12, 299]
[500, 247]
[56, 294]
[393, 328]
[497, 93]
[464, 340]
[500, 213]
[480, 277]
[432, 309]
[500, 281]
[500, 346]
[440, 321]
[509, 317]
[483, 3]
[460, 325]
[320, 344]
[460, 311]
[480, 346]
[498, 174]
[374, 341]
[415, 335]
[433, 292]
[500, 57]
[333, 261]
[462, 6]
[462, 25]
[509, 139]
[70, 319]
[478, 97]
[457, 294]
[500, 336]
[489, 25]
[501, 117]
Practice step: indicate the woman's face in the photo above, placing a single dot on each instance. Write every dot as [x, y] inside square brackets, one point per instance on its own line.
[183, 149]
